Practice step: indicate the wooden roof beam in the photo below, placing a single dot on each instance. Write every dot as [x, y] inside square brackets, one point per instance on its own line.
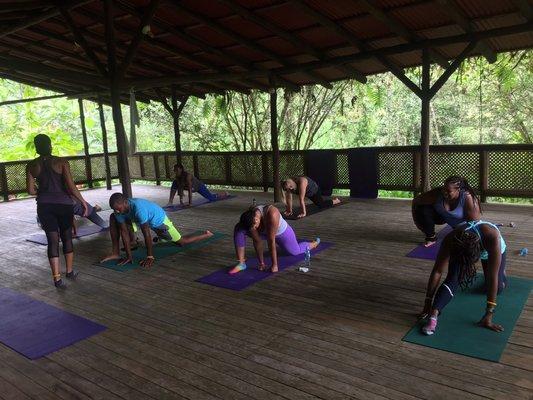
[42, 17]
[397, 49]
[168, 29]
[451, 8]
[80, 39]
[525, 8]
[289, 37]
[398, 28]
[244, 41]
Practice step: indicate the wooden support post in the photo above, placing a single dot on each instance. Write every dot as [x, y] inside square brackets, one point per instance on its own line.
[483, 174]
[227, 167]
[168, 168]
[424, 121]
[176, 112]
[156, 168]
[88, 167]
[416, 172]
[114, 84]
[264, 168]
[141, 166]
[3, 178]
[104, 143]
[274, 142]
[195, 166]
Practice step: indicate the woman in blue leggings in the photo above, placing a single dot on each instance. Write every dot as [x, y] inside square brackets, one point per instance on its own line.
[266, 222]
[186, 180]
[460, 251]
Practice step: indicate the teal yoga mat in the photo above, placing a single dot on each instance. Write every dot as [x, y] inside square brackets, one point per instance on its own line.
[457, 331]
[161, 250]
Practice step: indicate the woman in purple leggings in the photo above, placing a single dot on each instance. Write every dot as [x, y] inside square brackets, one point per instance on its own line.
[266, 222]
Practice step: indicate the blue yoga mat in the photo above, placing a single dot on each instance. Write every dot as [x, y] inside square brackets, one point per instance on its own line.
[35, 329]
[457, 331]
[86, 230]
[251, 275]
[430, 253]
[195, 203]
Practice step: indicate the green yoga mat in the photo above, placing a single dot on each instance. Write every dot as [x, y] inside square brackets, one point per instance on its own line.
[457, 331]
[161, 250]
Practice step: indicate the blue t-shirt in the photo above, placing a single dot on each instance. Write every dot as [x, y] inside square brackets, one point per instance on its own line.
[142, 212]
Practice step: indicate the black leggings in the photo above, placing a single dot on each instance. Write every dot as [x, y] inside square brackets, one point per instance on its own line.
[319, 201]
[451, 284]
[426, 218]
[56, 221]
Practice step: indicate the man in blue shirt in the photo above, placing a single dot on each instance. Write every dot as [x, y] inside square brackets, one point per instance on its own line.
[149, 216]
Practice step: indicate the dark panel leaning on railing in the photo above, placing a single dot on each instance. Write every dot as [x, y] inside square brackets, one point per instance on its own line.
[494, 170]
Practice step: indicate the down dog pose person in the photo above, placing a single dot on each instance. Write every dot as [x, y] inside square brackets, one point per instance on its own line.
[460, 251]
[54, 204]
[304, 187]
[147, 215]
[266, 222]
[453, 203]
[186, 180]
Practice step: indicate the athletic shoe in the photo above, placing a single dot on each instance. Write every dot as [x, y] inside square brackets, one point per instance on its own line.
[238, 268]
[60, 284]
[72, 274]
[431, 325]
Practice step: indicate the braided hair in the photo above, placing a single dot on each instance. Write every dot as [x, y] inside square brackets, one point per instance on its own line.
[465, 250]
[463, 184]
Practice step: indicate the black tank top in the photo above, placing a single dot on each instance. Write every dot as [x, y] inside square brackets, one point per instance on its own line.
[312, 186]
[51, 185]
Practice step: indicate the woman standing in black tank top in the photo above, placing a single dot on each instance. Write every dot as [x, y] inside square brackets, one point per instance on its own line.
[54, 203]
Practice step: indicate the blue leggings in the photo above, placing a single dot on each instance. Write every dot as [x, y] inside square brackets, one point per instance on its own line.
[449, 287]
[204, 191]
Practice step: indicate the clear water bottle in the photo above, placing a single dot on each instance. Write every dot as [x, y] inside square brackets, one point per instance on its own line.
[307, 261]
[524, 252]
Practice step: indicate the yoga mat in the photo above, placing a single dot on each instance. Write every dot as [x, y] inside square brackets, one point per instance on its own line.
[195, 203]
[321, 166]
[311, 209]
[35, 329]
[85, 230]
[160, 250]
[430, 253]
[457, 331]
[251, 275]
[363, 172]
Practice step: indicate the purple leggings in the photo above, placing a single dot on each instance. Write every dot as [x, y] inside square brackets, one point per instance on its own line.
[287, 240]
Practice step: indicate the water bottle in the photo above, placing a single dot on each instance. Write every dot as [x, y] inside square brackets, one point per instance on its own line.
[523, 252]
[307, 261]
[254, 203]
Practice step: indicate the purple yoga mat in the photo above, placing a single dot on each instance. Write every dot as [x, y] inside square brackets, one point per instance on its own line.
[195, 203]
[251, 275]
[35, 329]
[85, 230]
[430, 253]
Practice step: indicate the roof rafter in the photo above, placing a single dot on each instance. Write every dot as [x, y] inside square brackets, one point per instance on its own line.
[525, 8]
[244, 41]
[452, 9]
[289, 37]
[397, 27]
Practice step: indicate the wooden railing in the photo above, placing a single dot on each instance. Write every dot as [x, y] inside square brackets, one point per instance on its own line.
[494, 170]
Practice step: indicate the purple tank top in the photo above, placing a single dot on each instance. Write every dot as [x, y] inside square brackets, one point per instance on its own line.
[52, 188]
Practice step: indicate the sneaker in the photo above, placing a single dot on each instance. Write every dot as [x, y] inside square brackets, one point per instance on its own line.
[431, 325]
[60, 284]
[238, 268]
[72, 274]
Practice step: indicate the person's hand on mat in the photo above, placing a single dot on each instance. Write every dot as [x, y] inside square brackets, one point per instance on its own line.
[147, 262]
[486, 322]
[427, 309]
[287, 213]
[261, 266]
[301, 215]
[125, 260]
[110, 257]
[274, 268]
[85, 209]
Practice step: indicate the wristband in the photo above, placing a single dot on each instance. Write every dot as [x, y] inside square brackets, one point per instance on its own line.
[492, 303]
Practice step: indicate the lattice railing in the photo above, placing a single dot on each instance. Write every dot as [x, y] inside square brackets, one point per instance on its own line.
[495, 170]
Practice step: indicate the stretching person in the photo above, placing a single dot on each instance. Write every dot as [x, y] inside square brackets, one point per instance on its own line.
[453, 203]
[186, 180]
[54, 204]
[304, 187]
[460, 251]
[147, 215]
[266, 222]
[91, 216]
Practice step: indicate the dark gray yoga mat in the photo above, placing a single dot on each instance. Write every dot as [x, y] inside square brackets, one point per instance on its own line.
[85, 230]
[35, 329]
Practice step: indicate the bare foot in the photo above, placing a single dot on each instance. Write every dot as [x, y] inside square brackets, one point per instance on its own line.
[208, 234]
[223, 195]
[336, 201]
[110, 257]
[314, 244]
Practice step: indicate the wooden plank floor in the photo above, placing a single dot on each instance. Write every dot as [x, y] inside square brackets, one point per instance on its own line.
[333, 333]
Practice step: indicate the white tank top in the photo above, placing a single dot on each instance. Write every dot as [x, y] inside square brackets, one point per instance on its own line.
[282, 223]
